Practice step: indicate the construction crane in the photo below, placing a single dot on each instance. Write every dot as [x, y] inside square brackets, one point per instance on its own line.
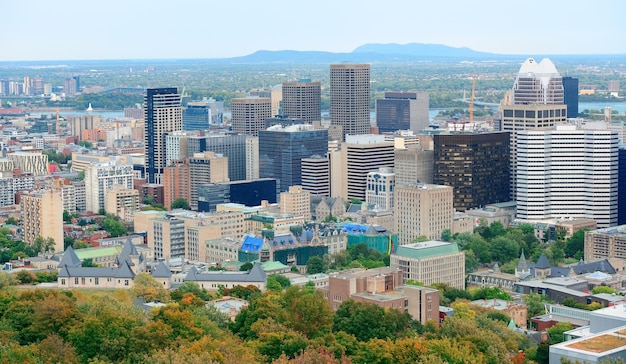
[471, 105]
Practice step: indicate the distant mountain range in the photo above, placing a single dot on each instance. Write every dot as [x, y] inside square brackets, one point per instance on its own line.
[371, 53]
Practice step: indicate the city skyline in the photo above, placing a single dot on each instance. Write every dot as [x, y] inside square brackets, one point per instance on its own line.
[192, 29]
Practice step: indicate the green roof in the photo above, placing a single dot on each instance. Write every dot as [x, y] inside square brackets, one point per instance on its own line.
[91, 253]
[427, 249]
[272, 265]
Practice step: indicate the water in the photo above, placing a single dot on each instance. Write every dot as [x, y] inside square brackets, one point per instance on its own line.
[619, 106]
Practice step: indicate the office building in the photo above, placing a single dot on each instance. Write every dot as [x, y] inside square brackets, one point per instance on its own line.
[167, 237]
[414, 165]
[248, 193]
[242, 152]
[275, 95]
[176, 146]
[380, 189]
[176, 182]
[281, 151]
[122, 202]
[249, 114]
[315, 176]
[422, 210]
[363, 154]
[570, 96]
[402, 111]
[475, 165]
[100, 177]
[302, 100]
[297, 202]
[621, 189]
[163, 115]
[567, 173]
[78, 124]
[350, 97]
[605, 243]
[204, 168]
[536, 101]
[197, 116]
[42, 216]
[431, 262]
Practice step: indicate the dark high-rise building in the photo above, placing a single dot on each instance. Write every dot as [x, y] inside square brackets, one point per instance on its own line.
[402, 111]
[196, 116]
[163, 114]
[621, 186]
[475, 165]
[249, 193]
[570, 95]
[281, 151]
[350, 97]
[241, 150]
[302, 100]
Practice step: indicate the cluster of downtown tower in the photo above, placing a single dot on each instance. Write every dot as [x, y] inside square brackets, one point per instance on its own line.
[533, 154]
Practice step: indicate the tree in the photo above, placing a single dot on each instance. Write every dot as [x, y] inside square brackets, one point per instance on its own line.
[315, 265]
[446, 235]
[25, 277]
[144, 285]
[555, 333]
[575, 245]
[603, 289]
[282, 281]
[246, 267]
[11, 221]
[367, 321]
[113, 226]
[86, 144]
[307, 312]
[180, 203]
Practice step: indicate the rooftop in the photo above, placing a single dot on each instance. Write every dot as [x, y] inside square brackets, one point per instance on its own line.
[427, 249]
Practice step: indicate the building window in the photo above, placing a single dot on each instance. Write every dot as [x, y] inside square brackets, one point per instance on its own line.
[126, 282]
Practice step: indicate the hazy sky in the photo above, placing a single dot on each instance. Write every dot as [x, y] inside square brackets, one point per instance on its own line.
[132, 29]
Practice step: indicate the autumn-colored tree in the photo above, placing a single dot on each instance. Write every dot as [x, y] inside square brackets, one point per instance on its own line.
[54, 350]
[181, 321]
[313, 356]
[149, 338]
[144, 285]
[307, 312]
[367, 321]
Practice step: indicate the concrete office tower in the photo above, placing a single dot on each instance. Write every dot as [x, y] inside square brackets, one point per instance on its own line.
[570, 96]
[122, 202]
[176, 182]
[78, 124]
[422, 209]
[350, 98]
[316, 175]
[281, 151]
[275, 95]
[567, 173]
[176, 146]
[100, 177]
[360, 155]
[242, 152]
[197, 116]
[163, 115]
[296, 201]
[381, 188]
[249, 114]
[431, 262]
[413, 165]
[402, 111]
[42, 216]
[302, 100]
[475, 165]
[206, 167]
[536, 101]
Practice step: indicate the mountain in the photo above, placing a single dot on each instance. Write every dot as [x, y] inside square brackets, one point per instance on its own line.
[368, 53]
[420, 50]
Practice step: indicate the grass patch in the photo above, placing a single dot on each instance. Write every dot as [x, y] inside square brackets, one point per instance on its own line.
[600, 344]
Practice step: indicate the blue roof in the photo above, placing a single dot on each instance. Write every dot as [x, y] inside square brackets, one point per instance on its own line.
[354, 228]
[252, 244]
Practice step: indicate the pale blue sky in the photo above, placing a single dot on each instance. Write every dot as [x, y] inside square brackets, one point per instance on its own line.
[134, 29]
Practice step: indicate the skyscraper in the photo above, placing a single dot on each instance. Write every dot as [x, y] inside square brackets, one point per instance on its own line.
[422, 209]
[163, 115]
[535, 102]
[42, 216]
[350, 97]
[281, 151]
[475, 165]
[568, 173]
[302, 100]
[206, 167]
[402, 111]
[249, 114]
[197, 116]
[316, 175]
[570, 96]
[242, 152]
[364, 154]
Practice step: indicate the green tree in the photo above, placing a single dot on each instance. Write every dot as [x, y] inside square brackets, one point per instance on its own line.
[12, 221]
[446, 235]
[575, 245]
[246, 267]
[307, 312]
[280, 279]
[315, 265]
[603, 289]
[180, 203]
[86, 144]
[555, 333]
[367, 321]
[112, 225]
[144, 285]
